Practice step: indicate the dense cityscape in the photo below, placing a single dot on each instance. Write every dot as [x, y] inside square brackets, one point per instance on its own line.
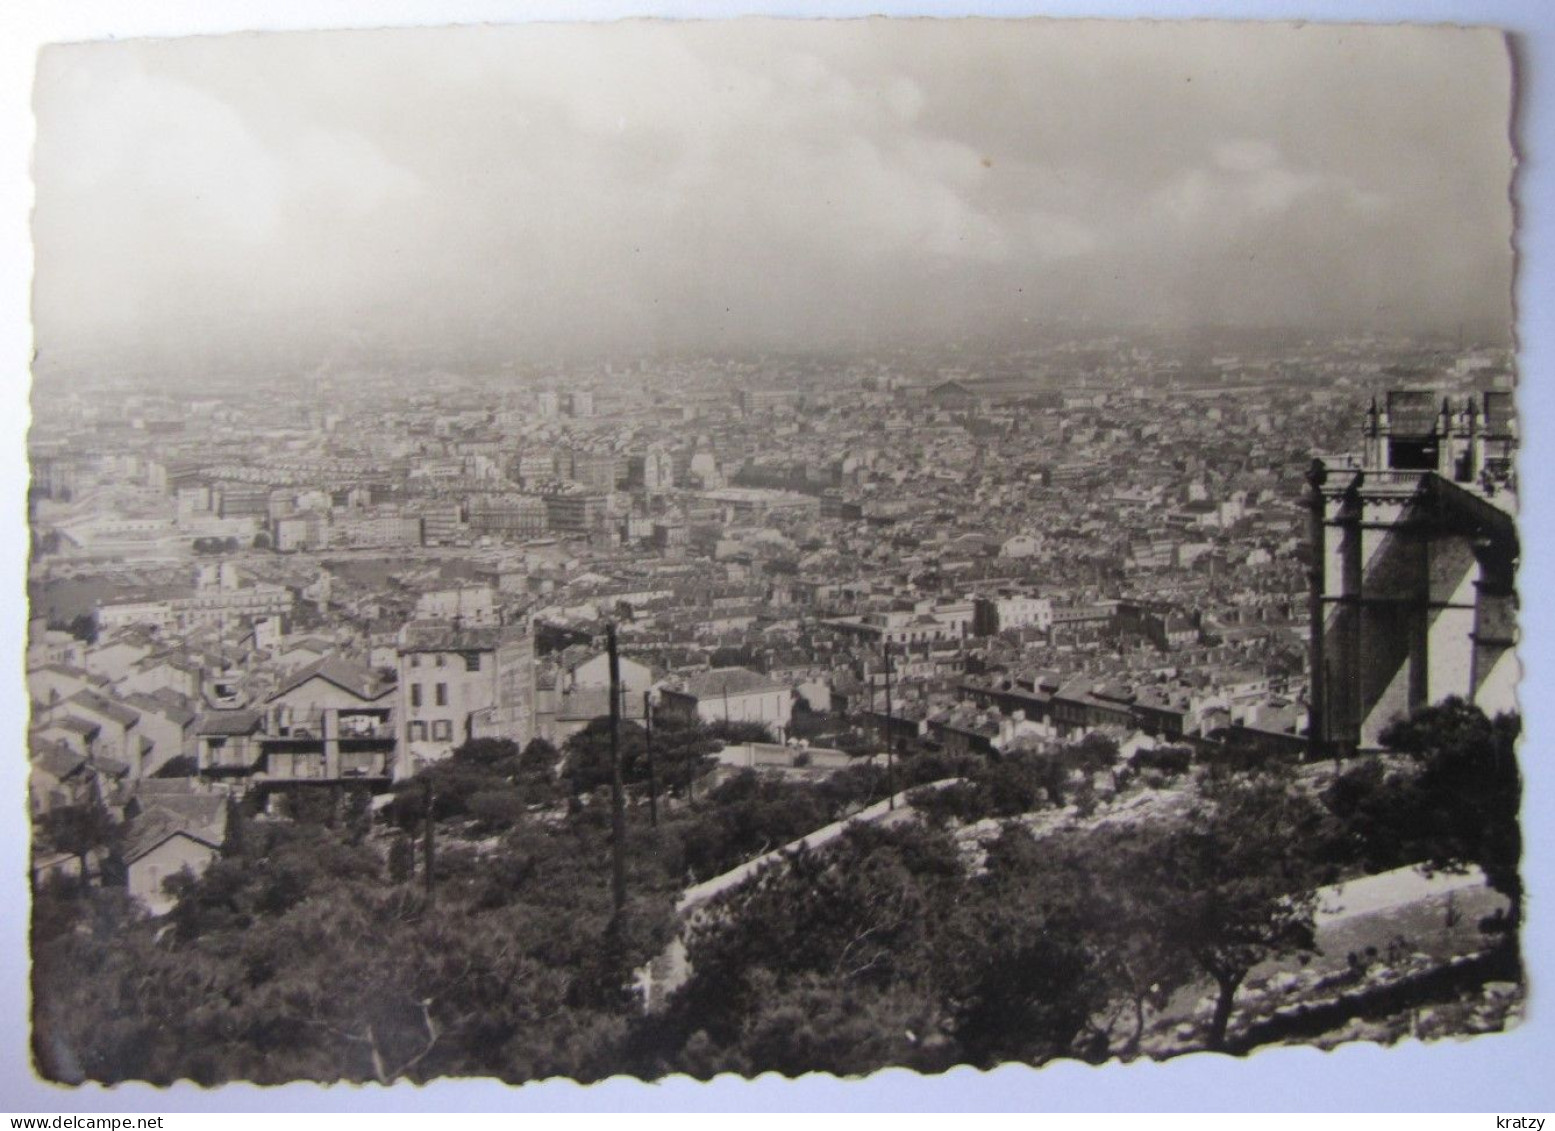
[677, 547]
[1019, 594]
[1113, 517]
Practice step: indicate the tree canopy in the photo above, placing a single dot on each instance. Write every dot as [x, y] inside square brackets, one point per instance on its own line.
[991, 921]
[1463, 806]
[1234, 883]
[681, 749]
[301, 956]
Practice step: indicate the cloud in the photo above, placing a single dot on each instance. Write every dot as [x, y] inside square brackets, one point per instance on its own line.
[577, 188]
[156, 145]
[1222, 196]
[1051, 236]
[1245, 155]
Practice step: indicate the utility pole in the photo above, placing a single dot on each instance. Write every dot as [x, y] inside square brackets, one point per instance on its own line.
[691, 767]
[889, 784]
[653, 780]
[427, 840]
[617, 800]
[869, 681]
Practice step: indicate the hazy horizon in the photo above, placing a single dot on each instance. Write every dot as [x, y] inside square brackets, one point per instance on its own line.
[561, 190]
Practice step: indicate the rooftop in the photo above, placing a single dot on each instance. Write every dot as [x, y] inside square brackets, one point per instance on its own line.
[156, 826]
[55, 759]
[729, 681]
[347, 675]
[107, 708]
[228, 722]
[442, 636]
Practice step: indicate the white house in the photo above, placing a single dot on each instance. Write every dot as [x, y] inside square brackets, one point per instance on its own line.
[161, 844]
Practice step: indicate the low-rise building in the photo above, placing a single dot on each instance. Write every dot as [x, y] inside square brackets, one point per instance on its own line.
[1011, 611]
[458, 682]
[161, 843]
[331, 721]
[736, 695]
[471, 605]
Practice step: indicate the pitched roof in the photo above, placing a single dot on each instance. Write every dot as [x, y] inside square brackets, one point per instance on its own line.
[206, 812]
[347, 675]
[107, 708]
[62, 669]
[1078, 687]
[228, 722]
[109, 767]
[156, 827]
[575, 656]
[74, 725]
[173, 698]
[178, 661]
[730, 681]
[56, 759]
[156, 705]
[137, 635]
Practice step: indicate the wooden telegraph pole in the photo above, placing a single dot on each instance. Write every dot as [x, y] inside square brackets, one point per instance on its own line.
[617, 798]
[426, 840]
[890, 788]
[653, 780]
[691, 778]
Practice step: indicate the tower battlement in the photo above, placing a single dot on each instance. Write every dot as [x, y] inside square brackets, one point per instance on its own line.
[1415, 554]
[1472, 444]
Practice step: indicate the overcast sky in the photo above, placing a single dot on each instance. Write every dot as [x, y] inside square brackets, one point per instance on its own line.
[642, 186]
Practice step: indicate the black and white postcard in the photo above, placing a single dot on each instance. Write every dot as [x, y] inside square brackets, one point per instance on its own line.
[679, 548]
